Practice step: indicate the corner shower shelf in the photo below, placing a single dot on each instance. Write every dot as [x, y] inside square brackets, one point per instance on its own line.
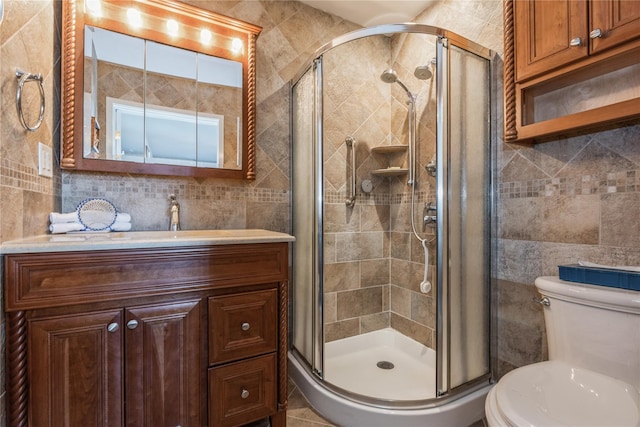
[390, 171]
[389, 149]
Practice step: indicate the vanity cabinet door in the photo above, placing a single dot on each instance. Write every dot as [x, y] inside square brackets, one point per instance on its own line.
[75, 368]
[164, 365]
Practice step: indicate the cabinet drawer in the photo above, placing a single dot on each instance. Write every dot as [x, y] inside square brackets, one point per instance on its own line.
[242, 325]
[242, 392]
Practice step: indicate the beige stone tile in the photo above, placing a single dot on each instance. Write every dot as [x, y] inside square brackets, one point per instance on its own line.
[374, 322]
[423, 309]
[521, 337]
[413, 330]
[329, 307]
[571, 219]
[619, 220]
[521, 218]
[359, 302]
[338, 217]
[374, 217]
[341, 276]
[341, 329]
[374, 272]
[400, 245]
[401, 301]
[361, 246]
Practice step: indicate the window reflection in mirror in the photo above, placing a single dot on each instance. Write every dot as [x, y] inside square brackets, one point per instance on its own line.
[147, 102]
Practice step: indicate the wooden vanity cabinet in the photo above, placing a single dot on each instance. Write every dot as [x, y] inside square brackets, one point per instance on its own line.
[147, 337]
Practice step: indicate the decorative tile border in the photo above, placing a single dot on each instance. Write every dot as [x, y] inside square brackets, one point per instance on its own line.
[614, 182]
[151, 188]
[379, 199]
[16, 175]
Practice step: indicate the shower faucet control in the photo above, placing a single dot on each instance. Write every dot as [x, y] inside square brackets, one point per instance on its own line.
[430, 218]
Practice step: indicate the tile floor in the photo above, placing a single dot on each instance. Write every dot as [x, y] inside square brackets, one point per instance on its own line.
[300, 413]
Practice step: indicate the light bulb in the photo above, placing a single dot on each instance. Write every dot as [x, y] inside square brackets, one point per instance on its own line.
[134, 17]
[172, 27]
[94, 7]
[205, 36]
[236, 45]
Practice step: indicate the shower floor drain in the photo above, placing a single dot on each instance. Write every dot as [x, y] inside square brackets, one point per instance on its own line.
[384, 364]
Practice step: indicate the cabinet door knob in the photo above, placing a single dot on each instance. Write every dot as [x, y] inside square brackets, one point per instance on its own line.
[245, 393]
[575, 42]
[132, 324]
[245, 326]
[596, 34]
[113, 327]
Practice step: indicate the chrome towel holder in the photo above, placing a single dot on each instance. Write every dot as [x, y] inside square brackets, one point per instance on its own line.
[24, 77]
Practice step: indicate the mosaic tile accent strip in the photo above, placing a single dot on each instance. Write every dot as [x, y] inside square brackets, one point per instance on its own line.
[379, 199]
[150, 188]
[616, 182]
[24, 177]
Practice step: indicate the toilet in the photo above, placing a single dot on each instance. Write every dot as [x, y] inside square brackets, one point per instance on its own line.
[592, 377]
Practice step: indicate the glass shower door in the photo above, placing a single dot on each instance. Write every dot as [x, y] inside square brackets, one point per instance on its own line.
[307, 218]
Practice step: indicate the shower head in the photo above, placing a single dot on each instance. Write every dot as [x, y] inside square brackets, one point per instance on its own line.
[423, 72]
[389, 76]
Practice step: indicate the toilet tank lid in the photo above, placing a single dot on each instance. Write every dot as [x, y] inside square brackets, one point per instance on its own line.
[593, 295]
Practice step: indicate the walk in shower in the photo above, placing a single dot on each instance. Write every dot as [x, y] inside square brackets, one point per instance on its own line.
[390, 288]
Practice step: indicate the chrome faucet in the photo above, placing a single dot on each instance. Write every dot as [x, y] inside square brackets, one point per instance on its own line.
[174, 221]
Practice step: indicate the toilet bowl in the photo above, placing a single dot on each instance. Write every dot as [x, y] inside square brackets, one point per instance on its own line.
[593, 375]
[555, 393]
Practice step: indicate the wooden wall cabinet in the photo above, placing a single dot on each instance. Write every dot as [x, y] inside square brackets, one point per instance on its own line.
[558, 50]
[189, 336]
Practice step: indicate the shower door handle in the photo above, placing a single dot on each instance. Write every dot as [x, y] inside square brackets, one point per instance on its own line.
[351, 144]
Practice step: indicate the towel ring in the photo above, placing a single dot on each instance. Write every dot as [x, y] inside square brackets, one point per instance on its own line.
[23, 78]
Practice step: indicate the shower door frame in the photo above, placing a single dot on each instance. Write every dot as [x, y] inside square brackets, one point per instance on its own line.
[444, 38]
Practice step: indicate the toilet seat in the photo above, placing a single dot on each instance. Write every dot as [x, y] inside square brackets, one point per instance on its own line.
[555, 393]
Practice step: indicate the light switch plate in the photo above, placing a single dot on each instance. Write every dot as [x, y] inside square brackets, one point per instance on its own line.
[45, 160]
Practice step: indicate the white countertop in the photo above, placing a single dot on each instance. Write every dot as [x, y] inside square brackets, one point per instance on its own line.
[84, 241]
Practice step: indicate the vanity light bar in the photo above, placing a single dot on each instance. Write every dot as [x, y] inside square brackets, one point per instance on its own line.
[140, 20]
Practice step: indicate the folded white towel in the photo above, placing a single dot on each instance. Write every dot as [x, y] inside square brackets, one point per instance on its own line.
[65, 227]
[56, 218]
[121, 226]
[625, 268]
[59, 218]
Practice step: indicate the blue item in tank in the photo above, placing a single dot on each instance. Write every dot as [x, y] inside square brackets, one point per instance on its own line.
[600, 276]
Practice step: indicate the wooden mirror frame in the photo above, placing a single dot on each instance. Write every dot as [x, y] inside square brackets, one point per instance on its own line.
[74, 19]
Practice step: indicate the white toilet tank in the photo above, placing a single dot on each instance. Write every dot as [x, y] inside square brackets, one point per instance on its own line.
[594, 327]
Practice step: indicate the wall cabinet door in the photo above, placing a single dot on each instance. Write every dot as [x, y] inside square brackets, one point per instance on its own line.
[75, 367]
[617, 21]
[164, 365]
[549, 34]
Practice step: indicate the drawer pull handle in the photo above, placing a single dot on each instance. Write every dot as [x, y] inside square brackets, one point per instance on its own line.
[575, 42]
[245, 326]
[245, 393]
[132, 324]
[596, 34]
[113, 327]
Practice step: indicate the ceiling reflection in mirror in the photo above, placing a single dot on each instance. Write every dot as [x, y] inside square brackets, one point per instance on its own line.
[157, 87]
[147, 102]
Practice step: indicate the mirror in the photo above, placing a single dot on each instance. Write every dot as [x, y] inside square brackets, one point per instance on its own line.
[161, 88]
